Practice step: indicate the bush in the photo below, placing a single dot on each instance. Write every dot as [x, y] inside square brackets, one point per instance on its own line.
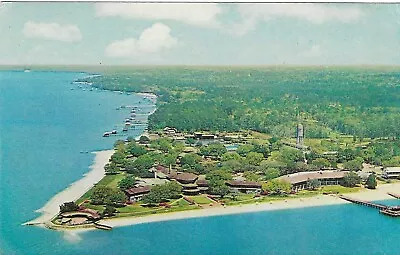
[68, 207]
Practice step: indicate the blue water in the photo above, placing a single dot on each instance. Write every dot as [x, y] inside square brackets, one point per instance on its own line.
[44, 125]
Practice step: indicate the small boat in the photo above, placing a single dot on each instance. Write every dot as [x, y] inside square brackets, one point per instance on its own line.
[114, 132]
[125, 129]
[106, 134]
[27, 71]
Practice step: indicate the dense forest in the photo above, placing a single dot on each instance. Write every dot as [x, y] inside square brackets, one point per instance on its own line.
[363, 102]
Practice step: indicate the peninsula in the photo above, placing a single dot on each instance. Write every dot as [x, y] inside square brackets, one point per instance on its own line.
[212, 149]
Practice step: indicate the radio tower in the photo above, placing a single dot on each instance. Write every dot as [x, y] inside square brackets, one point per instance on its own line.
[300, 136]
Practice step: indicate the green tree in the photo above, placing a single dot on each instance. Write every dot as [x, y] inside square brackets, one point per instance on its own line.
[290, 155]
[263, 149]
[353, 165]
[251, 176]
[218, 187]
[230, 155]
[321, 162]
[244, 149]
[218, 175]
[118, 158]
[111, 168]
[213, 149]
[109, 211]
[115, 197]
[232, 166]
[107, 195]
[190, 141]
[99, 195]
[351, 179]
[136, 149]
[127, 183]
[254, 158]
[163, 192]
[68, 207]
[276, 187]
[143, 162]
[313, 184]
[169, 159]
[271, 173]
[371, 182]
[190, 160]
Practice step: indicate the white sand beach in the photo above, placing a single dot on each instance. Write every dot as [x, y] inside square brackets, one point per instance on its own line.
[75, 190]
[322, 200]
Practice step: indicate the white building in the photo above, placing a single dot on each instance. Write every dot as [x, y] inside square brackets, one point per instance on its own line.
[391, 172]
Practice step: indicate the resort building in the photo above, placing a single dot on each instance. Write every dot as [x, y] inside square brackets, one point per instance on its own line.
[300, 181]
[244, 186]
[391, 172]
[202, 185]
[137, 193]
[187, 181]
[169, 131]
[202, 136]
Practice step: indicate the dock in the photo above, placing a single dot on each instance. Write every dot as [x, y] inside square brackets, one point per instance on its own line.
[102, 226]
[394, 195]
[365, 203]
[393, 211]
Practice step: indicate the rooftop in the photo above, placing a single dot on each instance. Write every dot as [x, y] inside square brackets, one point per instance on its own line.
[243, 184]
[305, 176]
[138, 190]
[186, 177]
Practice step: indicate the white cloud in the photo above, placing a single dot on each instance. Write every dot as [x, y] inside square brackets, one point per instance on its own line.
[52, 31]
[204, 15]
[316, 13]
[152, 40]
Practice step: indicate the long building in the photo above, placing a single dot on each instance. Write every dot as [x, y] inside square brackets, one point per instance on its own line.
[391, 172]
[300, 181]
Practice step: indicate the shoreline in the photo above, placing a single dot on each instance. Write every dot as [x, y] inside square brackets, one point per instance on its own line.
[78, 188]
[75, 190]
[285, 204]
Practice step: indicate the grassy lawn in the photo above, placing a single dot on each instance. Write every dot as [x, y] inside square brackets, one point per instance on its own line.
[201, 200]
[339, 189]
[180, 202]
[108, 180]
[98, 208]
[137, 210]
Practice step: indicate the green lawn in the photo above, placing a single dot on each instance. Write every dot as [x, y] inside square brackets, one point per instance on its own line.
[339, 189]
[201, 200]
[108, 180]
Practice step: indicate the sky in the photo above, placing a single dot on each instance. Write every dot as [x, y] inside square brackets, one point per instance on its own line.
[73, 33]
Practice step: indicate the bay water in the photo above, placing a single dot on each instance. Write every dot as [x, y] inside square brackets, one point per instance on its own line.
[47, 126]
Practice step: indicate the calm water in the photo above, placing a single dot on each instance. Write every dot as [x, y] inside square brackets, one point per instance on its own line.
[44, 125]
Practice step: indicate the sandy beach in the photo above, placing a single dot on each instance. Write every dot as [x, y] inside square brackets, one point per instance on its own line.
[321, 200]
[75, 190]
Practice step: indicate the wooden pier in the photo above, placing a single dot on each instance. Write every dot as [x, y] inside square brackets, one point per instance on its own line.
[394, 195]
[365, 203]
[393, 211]
[102, 226]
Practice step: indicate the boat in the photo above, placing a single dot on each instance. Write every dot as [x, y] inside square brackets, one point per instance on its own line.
[27, 71]
[125, 129]
[106, 134]
[114, 132]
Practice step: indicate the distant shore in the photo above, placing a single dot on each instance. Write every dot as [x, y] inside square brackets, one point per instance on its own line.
[75, 190]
